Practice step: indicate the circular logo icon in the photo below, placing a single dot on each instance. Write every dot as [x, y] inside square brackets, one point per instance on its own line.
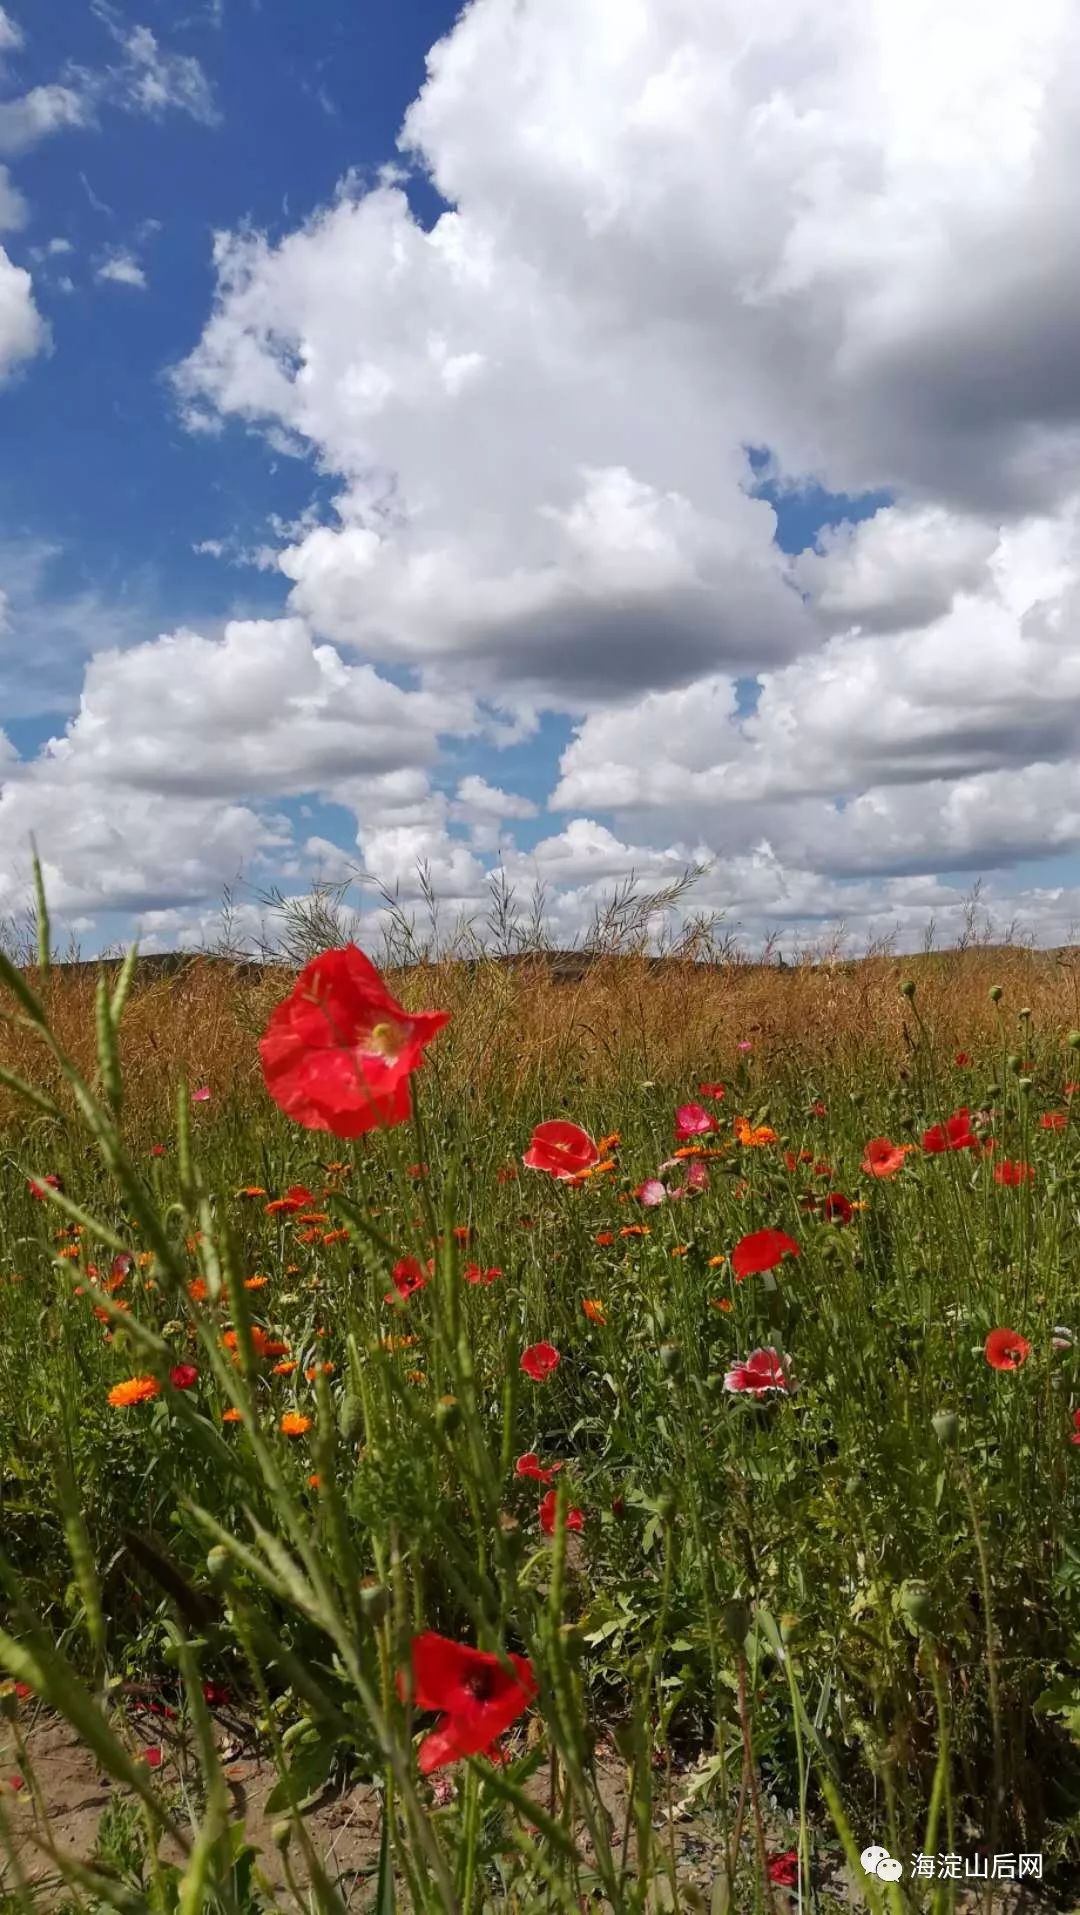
[871, 1857]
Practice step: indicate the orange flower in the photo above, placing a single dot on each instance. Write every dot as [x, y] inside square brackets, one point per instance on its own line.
[260, 1342]
[594, 1309]
[415, 1376]
[137, 1389]
[144, 1259]
[720, 1303]
[610, 1142]
[293, 1424]
[395, 1343]
[193, 1242]
[681, 1250]
[231, 1416]
[635, 1230]
[326, 1368]
[313, 1216]
[335, 1170]
[255, 1283]
[604, 1237]
[198, 1293]
[715, 1262]
[309, 1236]
[251, 1190]
[284, 1369]
[335, 1236]
[750, 1136]
[313, 1482]
[69, 1250]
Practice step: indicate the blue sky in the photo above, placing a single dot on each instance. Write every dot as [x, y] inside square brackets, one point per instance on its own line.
[576, 365]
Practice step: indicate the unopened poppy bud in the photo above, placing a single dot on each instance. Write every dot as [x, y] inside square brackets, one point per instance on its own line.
[946, 1427]
[1023, 1014]
[1024, 1083]
[791, 1627]
[907, 988]
[857, 1099]
[281, 1836]
[9, 1702]
[1014, 1063]
[735, 1622]
[351, 1418]
[671, 1359]
[993, 1090]
[374, 1601]
[447, 1415]
[1073, 1040]
[219, 1566]
[618, 1506]
[995, 994]
[666, 1506]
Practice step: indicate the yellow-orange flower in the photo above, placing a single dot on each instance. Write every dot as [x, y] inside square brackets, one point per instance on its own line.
[251, 1190]
[720, 1303]
[255, 1283]
[635, 1230]
[137, 1389]
[326, 1368]
[197, 1290]
[335, 1236]
[284, 1369]
[749, 1135]
[293, 1424]
[594, 1309]
[231, 1416]
[681, 1250]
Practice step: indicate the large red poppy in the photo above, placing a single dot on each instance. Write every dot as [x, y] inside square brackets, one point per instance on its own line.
[574, 1517]
[338, 1053]
[883, 1158]
[477, 1698]
[561, 1149]
[1006, 1349]
[1013, 1173]
[837, 1208]
[764, 1370]
[762, 1250]
[956, 1134]
[539, 1360]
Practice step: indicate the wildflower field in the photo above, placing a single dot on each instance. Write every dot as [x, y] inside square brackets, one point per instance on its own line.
[475, 1385]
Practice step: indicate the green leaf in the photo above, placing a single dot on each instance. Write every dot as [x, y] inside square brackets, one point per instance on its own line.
[305, 1778]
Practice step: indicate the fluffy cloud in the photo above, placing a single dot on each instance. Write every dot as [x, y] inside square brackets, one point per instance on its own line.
[14, 211]
[148, 79]
[23, 332]
[122, 270]
[37, 114]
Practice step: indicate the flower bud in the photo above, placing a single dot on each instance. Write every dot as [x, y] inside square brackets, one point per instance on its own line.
[374, 1601]
[1073, 1040]
[946, 1427]
[666, 1506]
[351, 1418]
[219, 1566]
[995, 994]
[281, 1836]
[1014, 1063]
[1023, 1014]
[914, 1602]
[671, 1359]
[907, 988]
[447, 1415]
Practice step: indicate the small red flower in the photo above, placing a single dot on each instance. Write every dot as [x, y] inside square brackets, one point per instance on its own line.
[711, 1090]
[760, 1251]
[882, 1158]
[297, 1197]
[478, 1698]
[574, 1517]
[784, 1869]
[540, 1360]
[183, 1376]
[693, 1120]
[339, 1052]
[818, 1107]
[1006, 1349]
[763, 1370]
[561, 1149]
[530, 1465]
[1013, 1173]
[474, 1273]
[408, 1277]
[1075, 1437]
[837, 1208]
[153, 1757]
[37, 1190]
[1053, 1120]
[158, 1150]
[962, 1060]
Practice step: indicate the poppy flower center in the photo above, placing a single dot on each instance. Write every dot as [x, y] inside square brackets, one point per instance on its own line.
[479, 1684]
[385, 1040]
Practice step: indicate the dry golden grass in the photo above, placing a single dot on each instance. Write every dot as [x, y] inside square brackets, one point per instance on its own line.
[516, 1031]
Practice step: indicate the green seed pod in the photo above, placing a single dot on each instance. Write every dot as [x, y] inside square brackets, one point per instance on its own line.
[915, 1603]
[281, 1836]
[1023, 1015]
[791, 1627]
[374, 1601]
[995, 994]
[351, 1418]
[671, 1361]
[1014, 1063]
[667, 1506]
[907, 988]
[219, 1566]
[1025, 1084]
[946, 1427]
[1073, 1040]
[447, 1415]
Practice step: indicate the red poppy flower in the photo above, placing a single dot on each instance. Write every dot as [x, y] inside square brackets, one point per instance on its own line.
[763, 1370]
[956, 1134]
[561, 1149]
[574, 1517]
[1075, 1437]
[539, 1360]
[530, 1465]
[837, 1208]
[183, 1376]
[652, 1192]
[338, 1053]
[478, 1699]
[1006, 1349]
[474, 1273]
[1053, 1120]
[297, 1197]
[158, 1150]
[1071, 1089]
[784, 1869]
[711, 1090]
[36, 1189]
[962, 1060]
[882, 1158]
[692, 1120]
[1009, 1173]
[762, 1250]
[408, 1277]
[153, 1757]
[818, 1107]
